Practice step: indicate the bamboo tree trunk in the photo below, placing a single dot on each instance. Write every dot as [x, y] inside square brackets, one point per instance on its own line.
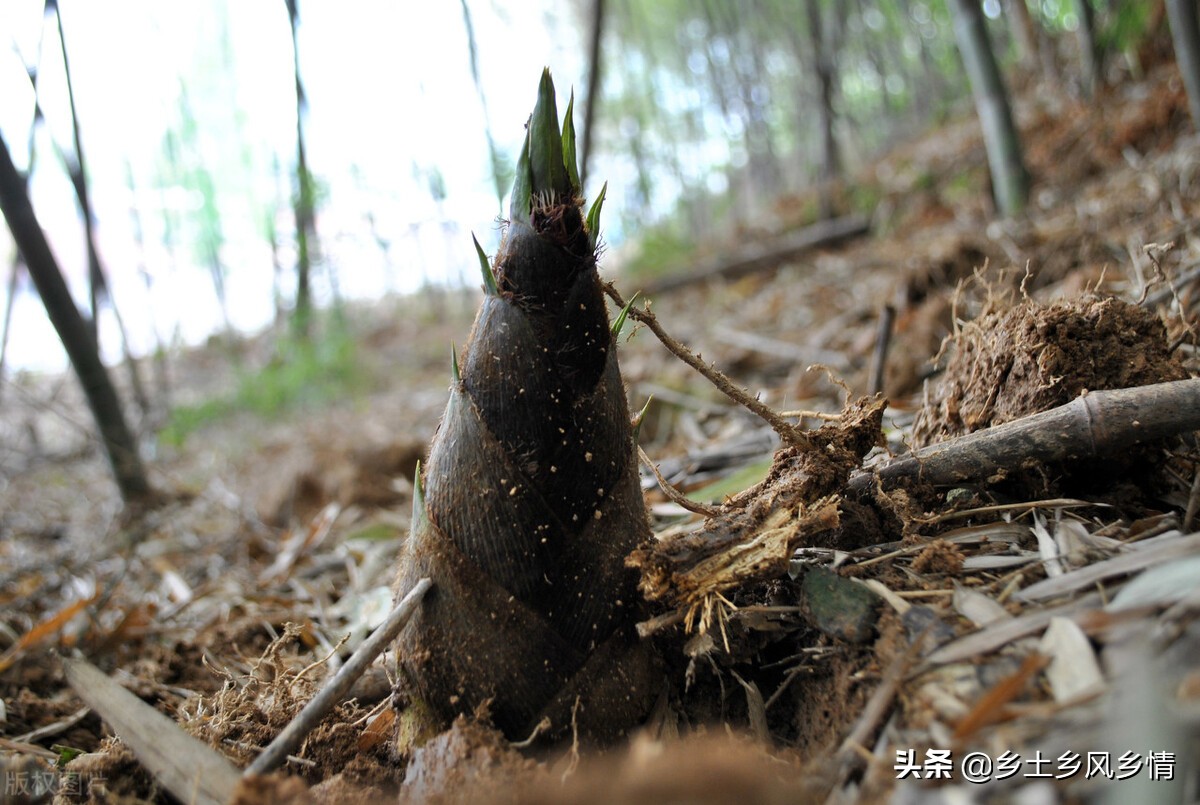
[14, 271]
[1010, 180]
[74, 332]
[830, 166]
[97, 282]
[592, 102]
[1185, 32]
[1021, 23]
[303, 208]
[1089, 56]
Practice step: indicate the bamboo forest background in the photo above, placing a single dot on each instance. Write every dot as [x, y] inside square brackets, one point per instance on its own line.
[247, 160]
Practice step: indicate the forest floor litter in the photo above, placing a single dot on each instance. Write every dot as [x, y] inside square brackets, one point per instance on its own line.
[827, 630]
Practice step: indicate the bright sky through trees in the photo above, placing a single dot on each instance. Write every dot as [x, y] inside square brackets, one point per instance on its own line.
[395, 129]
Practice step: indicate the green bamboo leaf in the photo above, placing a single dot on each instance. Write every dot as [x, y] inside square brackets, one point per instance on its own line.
[65, 754]
[593, 216]
[420, 518]
[489, 279]
[454, 364]
[739, 481]
[520, 205]
[620, 320]
[549, 174]
[568, 146]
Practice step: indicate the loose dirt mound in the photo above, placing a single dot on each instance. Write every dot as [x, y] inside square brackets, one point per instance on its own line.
[1013, 362]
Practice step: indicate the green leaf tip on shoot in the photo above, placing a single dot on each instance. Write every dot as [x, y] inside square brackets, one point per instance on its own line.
[568, 146]
[550, 180]
[547, 167]
[454, 364]
[419, 516]
[619, 322]
[521, 203]
[640, 418]
[485, 268]
[593, 217]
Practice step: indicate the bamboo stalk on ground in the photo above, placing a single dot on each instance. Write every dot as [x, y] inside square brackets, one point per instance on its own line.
[530, 500]
[1090, 426]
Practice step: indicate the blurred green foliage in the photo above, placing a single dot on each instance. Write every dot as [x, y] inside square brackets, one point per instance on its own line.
[660, 248]
[303, 373]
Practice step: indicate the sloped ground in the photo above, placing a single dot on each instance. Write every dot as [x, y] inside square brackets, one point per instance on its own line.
[995, 620]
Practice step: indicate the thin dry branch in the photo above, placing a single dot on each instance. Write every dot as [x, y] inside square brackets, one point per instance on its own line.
[788, 432]
[308, 718]
[674, 494]
[1094, 424]
[883, 343]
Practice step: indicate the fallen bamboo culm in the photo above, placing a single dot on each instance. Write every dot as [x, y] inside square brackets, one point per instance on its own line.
[1091, 425]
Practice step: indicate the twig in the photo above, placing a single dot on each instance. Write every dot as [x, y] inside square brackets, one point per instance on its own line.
[1193, 504]
[649, 627]
[308, 718]
[538, 729]
[54, 729]
[245, 747]
[801, 413]
[883, 343]
[674, 494]
[1158, 297]
[789, 433]
[876, 708]
[1022, 506]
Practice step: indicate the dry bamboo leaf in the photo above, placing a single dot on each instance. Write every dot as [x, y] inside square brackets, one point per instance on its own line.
[1174, 547]
[1070, 537]
[46, 628]
[999, 561]
[301, 543]
[1165, 584]
[379, 730]
[1004, 632]
[756, 709]
[1047, 548]
[999, 531]
[887, 594]
[990, 709]
[1073, 669]
[978, 608]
